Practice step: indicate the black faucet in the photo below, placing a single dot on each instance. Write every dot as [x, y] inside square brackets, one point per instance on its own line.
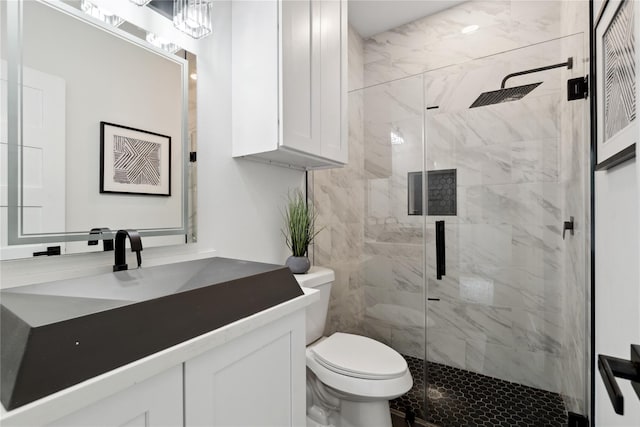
[108, 238]
[120, 255]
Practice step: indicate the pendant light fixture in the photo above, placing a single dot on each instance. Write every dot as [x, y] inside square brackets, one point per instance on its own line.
[101, 14]
[193, 17]
[162, 43]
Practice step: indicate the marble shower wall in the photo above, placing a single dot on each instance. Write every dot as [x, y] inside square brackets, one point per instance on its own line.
[575, 159]
[501, 301]
[436, 41]
[338, 196]
[394, 241]
[505, 308]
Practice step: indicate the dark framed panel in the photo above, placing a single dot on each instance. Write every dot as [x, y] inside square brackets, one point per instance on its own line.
[616, 81]
[414, 193]
[441, 193]
[134, 161]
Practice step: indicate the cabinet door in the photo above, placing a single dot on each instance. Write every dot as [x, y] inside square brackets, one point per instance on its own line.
[333, 85]
[255, 71]
[301, 75]
[154, 402]
[256, 380]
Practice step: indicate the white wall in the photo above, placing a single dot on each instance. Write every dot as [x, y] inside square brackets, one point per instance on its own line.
[617, 282]
[617, 278]
[239, 202]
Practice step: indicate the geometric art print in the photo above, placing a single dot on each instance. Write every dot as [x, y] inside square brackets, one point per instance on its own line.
[619, 71]
[135, 161]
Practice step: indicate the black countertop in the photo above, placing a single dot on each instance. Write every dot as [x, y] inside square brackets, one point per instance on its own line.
[60, 333]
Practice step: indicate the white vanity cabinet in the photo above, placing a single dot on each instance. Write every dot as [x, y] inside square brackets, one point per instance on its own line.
[154, 402]
[289, 82]
[256, 380]
[249, 373]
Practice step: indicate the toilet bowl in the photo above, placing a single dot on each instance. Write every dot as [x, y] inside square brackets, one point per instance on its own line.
[350, 378]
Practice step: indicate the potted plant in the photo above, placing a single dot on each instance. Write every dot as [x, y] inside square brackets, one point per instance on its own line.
[299, 231]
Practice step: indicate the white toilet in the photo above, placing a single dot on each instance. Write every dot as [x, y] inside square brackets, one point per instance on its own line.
[350, 378]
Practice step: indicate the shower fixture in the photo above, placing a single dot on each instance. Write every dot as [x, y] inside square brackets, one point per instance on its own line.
[517, 92]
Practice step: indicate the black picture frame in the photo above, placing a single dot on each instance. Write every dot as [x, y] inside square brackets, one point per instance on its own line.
[613, 147]
[134, 161]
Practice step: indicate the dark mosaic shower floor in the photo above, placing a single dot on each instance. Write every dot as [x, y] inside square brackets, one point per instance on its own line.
[459, 398]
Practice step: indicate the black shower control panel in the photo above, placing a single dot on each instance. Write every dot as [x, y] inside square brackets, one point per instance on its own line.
[577, 88]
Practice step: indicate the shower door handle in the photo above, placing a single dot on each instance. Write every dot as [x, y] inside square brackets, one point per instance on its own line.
[440, 253]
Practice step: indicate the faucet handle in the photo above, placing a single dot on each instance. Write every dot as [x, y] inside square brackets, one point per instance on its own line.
[136, 244]
[135, 240]
[107, 235]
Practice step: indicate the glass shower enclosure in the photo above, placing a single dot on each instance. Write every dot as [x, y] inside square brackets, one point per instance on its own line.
[475, 235]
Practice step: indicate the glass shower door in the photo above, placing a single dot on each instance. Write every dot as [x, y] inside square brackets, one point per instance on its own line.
[391, 116]
[505, 318]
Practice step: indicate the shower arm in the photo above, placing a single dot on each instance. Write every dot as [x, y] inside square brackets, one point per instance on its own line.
[568, 64]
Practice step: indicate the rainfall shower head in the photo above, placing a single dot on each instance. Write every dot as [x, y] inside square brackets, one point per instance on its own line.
[504, 95]
[514, 93]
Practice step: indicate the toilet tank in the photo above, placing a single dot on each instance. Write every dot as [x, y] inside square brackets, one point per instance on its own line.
[321, 279]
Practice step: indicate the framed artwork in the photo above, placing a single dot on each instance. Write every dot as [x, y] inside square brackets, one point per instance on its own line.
[617, 79]
[134, 161]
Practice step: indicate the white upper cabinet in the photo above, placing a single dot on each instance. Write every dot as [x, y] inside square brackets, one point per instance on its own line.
[289, 82]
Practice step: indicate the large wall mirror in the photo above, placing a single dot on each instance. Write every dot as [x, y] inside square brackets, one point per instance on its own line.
[97, 127]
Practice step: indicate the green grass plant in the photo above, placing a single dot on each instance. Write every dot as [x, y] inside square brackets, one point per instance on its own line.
[300, 221]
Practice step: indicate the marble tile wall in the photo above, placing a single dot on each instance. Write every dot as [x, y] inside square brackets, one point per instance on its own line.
[509, 308]
[574, 175]
[502, 304]
[436, 41]
[394, 241]
[499, 302]
[338, 196]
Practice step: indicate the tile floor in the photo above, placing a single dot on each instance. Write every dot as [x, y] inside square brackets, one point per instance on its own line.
[398, 419]
[457, 398]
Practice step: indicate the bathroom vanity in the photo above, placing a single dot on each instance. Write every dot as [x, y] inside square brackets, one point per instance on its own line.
[207, 342]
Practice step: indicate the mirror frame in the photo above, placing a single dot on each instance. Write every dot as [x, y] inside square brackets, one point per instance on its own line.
[14, 14]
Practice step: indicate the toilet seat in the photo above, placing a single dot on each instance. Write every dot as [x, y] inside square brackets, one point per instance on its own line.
[359, 357]
[347, 378]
